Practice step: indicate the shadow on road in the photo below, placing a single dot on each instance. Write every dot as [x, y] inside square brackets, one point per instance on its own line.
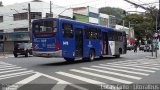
[62, 63]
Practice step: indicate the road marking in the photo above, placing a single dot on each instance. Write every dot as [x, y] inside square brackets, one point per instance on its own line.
[6, 66]
[128, 68]
[13, 70]
[3, 63]
[12, 74]
[80, 78]
[16, 75]
[135, 61]
[9, 68]
[25, 81]
[145, 64]
[102, 76]
[63, 82]
[137, 66]
[153, 65]
[121, 70]
[60, 86]
[114, 73]
[128, 61]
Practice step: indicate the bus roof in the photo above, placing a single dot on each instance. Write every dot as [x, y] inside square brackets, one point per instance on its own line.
[103, 28]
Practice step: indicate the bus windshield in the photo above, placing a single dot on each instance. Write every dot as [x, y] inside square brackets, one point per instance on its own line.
[44, 27]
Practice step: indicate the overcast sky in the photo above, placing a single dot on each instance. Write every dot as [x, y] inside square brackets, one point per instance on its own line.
[94, 3]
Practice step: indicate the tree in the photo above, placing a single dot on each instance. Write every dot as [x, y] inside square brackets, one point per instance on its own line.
[143, 24]
[117, 12]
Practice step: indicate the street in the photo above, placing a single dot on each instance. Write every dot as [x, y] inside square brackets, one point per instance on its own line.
[55, 74]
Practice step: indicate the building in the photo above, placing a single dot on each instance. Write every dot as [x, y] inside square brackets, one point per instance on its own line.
[112, 21]
[15, 22]
[90, 13]
[104, 20]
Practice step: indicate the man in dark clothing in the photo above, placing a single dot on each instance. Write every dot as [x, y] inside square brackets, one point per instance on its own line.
[135, 47]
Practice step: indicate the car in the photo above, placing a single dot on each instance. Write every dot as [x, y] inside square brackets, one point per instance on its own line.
[22, 49]
[147, 48]
[141, 47]
[130, 47]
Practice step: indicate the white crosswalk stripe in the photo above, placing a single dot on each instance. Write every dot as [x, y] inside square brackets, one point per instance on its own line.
[117, 72]
[125, 72]
[113, 73]
[80, 78]
[122, 70]
[128, 68]
[102, 76]
[137, 66]
[141, 61]
[9, 71]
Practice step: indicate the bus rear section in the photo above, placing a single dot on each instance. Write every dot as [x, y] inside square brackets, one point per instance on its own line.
[45, 38]
[117, 43]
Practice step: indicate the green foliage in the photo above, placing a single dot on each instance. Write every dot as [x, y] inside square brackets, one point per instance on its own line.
[119, 13]
[143, 24]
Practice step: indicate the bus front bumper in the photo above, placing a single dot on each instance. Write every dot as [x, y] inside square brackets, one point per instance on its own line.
[48, 54]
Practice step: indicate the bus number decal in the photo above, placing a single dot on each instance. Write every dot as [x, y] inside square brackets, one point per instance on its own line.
[65, 42]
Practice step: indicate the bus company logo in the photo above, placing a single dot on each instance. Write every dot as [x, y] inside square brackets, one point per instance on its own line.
[65, 43]
[36, 46]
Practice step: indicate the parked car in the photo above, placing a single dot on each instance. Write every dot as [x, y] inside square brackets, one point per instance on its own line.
[147, 48]
[22, 49]
[130, 47]
[141, 47]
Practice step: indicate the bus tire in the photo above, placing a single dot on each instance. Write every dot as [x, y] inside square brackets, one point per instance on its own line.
[69, 59]
[15, 55]
[91, 55]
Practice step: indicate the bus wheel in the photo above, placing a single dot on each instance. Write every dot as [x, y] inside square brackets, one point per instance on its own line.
[15, 55]
[69, 59]
[91, 55]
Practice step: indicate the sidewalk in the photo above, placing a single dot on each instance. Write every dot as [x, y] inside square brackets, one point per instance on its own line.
[154, 55]
[5, 55]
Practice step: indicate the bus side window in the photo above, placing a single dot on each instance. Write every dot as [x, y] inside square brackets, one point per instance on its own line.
[67, 30]
[111, 36]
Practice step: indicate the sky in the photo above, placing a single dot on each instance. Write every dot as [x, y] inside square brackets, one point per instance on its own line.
[94, 3]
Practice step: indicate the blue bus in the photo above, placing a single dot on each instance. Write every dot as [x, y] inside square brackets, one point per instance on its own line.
[70, 39]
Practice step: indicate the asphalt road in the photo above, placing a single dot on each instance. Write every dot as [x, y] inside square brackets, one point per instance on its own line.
[54, 73]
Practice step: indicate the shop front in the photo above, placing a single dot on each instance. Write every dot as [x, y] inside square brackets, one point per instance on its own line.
[8, 40]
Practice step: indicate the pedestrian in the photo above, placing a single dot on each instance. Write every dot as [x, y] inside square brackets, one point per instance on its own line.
[135, 47]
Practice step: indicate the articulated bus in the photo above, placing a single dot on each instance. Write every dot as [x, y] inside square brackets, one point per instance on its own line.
[70, 39]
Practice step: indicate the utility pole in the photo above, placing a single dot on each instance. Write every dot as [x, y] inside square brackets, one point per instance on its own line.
[50, 9]
[129, 30]
[29, 22]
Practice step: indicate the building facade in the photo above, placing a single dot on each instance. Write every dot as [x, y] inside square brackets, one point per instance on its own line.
[91, 12]
[14, 20]
[104, 20]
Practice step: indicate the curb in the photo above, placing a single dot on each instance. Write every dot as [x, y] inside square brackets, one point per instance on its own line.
[150, 57]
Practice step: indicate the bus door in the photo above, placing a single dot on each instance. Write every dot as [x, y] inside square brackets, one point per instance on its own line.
[79, 42]
[104, 43]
